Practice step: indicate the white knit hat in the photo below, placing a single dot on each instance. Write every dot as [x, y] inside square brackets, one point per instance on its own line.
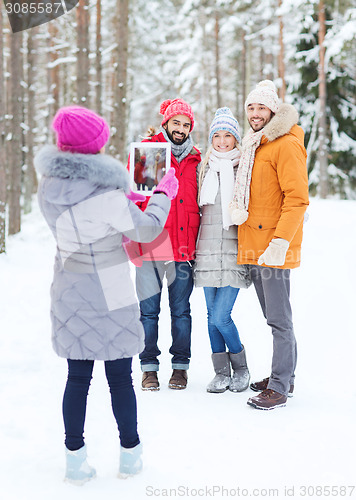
[264, 93]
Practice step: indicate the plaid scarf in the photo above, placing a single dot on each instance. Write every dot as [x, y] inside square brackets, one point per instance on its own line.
[239, 205]
[179, 151]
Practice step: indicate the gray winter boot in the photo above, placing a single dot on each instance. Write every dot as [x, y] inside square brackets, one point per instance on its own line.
[221, 381]
[241, 376]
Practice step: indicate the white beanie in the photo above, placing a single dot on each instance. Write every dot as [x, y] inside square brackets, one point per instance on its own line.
[265, 93]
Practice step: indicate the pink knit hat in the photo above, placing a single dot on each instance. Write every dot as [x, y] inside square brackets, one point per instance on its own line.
[265, 93]
[80, 130]
[171, 108]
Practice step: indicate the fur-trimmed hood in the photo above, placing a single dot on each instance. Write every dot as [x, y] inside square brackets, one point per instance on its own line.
[100, 170]
[281, 123]
[94, 308]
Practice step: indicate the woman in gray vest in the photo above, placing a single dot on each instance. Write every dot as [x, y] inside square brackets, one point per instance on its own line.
[215, 266]
[86, 201]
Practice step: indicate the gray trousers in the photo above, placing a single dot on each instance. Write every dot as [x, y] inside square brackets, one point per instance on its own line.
[273, 287]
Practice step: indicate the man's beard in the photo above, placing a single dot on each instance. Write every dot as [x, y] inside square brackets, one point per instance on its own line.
[260, 126]
[179, 141]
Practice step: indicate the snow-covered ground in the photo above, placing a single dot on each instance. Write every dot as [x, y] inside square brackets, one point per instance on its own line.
[195, 444]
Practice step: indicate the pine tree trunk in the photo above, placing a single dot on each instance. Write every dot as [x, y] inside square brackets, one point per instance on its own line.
[247, 78]
[2, 144]
[281, 64]
[98, 61]
[118, 145]
[206, 81]
[30, 179]
[243, 78]
[83, 19]
[267, 63]
[322, 151]
[217, 59]
[15, 160]
[54, 69]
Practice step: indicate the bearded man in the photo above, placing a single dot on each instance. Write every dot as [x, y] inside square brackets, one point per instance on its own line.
[270, 200]
[172, 254]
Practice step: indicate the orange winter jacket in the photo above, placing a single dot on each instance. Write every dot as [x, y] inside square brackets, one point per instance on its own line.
[279, 191]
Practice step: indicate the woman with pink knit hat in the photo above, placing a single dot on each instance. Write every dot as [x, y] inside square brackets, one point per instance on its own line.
[85, 199]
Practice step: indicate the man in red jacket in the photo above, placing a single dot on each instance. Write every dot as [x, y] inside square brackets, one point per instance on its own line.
[171, 254]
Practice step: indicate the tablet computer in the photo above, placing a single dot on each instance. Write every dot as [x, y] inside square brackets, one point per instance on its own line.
[149, 162]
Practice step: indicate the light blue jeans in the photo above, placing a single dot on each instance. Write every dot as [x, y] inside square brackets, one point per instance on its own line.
[222, 330]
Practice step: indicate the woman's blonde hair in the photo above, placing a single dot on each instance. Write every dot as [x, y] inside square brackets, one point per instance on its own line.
[202, 168]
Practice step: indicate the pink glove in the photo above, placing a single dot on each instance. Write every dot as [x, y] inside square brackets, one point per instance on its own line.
[135, 196]
[168, 184]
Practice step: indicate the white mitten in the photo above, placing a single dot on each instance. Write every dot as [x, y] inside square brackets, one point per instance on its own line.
[238, 215]
[275, 253]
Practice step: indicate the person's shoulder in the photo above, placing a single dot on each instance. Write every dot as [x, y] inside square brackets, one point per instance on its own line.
[155, 138]
[195, 151]
[148, 139]
[280, 126]
[297, 132]
[294, 138]
[292, 144]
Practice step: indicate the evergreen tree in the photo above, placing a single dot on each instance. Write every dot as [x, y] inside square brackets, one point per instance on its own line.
[340, 103]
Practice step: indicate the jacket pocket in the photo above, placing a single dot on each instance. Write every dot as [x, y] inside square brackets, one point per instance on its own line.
[262, 221]
[254, 237]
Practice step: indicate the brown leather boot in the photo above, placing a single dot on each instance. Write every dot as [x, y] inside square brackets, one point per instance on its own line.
[262, 385]
[178, 379]
[150, 381]
[268, 400]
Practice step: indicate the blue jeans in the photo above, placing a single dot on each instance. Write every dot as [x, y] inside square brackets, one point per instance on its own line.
[123, 400]
[149, 279]
[222, 330]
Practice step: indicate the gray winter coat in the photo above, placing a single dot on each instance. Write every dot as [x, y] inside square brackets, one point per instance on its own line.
[94, 309]
[216, 253]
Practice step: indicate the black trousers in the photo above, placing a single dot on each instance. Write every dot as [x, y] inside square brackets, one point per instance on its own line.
[123, 400]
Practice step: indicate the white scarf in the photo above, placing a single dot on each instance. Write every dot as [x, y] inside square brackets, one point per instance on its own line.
[224, 164]
[239, 205]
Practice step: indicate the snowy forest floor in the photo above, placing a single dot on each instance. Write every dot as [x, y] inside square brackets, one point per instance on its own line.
[195, 444]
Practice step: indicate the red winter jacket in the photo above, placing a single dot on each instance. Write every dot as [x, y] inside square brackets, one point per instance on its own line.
[178, 242]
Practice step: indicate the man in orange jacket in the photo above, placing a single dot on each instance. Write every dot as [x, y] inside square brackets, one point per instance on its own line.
[270, 200]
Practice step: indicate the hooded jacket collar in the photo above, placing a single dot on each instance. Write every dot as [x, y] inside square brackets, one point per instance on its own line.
[100, 170]
[281, 123]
